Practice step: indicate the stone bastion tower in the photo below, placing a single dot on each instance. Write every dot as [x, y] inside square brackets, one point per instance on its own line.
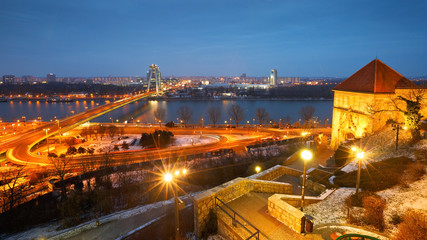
[365, 101]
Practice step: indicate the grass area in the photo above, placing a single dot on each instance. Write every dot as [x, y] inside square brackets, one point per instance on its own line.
[376, 176]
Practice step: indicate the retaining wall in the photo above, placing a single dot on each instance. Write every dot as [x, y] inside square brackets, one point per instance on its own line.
[286, 213]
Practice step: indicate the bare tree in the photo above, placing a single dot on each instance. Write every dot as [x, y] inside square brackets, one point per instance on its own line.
[287, 120]
[307, 113]
[160, 114]
[261, 115]
[61, 166]
[236, 113]
[87, 165]
[411, 109]
[112, 131]
[185, 114]
[101, 131]
[214, 114]
[13, 190]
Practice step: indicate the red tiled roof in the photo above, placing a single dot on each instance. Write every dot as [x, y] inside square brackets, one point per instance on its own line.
[375, 77]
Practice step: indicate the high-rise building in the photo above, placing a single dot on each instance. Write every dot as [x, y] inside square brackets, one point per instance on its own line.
[273, 77]
[27, 78]
[243, 77]
[153, 74]
[8, 78]
[50, 78]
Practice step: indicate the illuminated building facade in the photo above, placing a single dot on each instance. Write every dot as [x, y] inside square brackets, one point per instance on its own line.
[373, 86]
[153, 75]
[8, 78]
[273, 77]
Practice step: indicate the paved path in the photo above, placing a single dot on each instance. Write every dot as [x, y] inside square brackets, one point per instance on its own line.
[118, 228]
[253, 207]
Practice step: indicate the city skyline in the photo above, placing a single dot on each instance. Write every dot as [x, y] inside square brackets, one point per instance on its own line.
[210, 38]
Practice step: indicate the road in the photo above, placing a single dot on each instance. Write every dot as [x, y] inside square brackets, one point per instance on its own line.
[19, 146]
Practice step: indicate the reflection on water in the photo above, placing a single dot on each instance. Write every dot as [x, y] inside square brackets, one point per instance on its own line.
[143, 110]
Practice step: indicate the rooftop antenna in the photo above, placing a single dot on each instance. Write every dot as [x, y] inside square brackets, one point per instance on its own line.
[376, 56]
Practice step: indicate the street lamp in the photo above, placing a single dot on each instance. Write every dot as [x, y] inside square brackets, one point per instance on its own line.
[257, 169]
[59, 131]
[306, 155]
[169, 179]
[47, 140]
[396, 127]
[359, 156]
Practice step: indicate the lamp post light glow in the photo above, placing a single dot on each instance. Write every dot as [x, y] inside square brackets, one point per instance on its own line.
[168, 178]
[306, 155]
[359, 157]
[258, 169]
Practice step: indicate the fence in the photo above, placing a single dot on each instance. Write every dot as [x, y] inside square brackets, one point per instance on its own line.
[233, 214]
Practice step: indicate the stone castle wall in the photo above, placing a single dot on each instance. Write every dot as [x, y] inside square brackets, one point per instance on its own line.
[286, 213]
[352, 114]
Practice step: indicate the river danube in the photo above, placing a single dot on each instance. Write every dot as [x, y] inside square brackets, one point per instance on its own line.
[143, 110]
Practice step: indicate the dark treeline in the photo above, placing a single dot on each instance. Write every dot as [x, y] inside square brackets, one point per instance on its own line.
[298, 91]
[66, 88]
[303, 91]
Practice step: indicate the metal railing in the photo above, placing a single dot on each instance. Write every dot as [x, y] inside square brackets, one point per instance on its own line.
[233, 215]
[353, 236]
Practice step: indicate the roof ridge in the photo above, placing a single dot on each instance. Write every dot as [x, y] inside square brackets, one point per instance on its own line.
[375, 77]
[375, 74]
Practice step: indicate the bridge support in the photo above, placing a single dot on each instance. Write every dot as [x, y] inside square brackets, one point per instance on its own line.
[153, 74]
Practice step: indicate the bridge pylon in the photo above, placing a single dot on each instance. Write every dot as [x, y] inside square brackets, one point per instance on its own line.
[153, 74]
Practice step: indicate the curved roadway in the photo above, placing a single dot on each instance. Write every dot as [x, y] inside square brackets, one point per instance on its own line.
[19, 146]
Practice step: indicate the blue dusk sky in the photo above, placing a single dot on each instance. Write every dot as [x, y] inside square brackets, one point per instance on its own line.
[211, 37]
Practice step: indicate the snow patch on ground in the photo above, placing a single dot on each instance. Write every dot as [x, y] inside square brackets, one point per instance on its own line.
[189, 140]
[332, 209]
[400, 199]
[107, 143]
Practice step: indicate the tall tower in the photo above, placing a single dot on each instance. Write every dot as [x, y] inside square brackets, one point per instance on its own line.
[50, 78]
[153, 74]
[273, 77]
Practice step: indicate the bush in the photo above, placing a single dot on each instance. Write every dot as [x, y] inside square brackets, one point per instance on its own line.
[396, 219]
[71, 150]
[125, 146]
[356, 200]
[170, 124]
[413, 226]
[159, 137]
[81, 150]
[377, 176]
[374, 211]
[416, 170]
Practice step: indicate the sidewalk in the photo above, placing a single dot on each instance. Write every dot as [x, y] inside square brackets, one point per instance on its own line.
[319, 158]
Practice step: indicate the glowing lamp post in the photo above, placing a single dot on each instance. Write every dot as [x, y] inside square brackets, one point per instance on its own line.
[47, 140]
[359, 157]
[306, 155]
[258, 169]
[169, 178]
